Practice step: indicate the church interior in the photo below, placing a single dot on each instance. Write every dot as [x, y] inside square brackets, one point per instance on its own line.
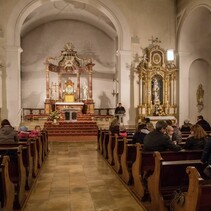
[66, 65]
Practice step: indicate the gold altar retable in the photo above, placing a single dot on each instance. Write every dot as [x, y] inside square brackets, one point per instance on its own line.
[69, 68]
[157, 83]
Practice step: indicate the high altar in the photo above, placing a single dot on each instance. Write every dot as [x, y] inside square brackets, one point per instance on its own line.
[157, 84]
[67, 92]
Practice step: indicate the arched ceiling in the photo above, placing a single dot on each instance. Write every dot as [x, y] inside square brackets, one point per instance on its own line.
[196, 31]
[72, 10]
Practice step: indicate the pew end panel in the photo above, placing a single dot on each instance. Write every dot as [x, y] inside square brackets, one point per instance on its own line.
[168, 176]
[7, 188]
[127, 159]
[198, 196]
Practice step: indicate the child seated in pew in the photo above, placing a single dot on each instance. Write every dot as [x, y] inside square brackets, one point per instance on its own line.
[7, 132]
[25, 133]
[197, 138]
[123, 132]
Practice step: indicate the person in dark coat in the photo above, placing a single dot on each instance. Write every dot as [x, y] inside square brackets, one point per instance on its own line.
[139, 135]
[197, 138]
[206, 157]
[7, 132]
[186, 127]
[114, 126]
[120, 109]
[203, 123]
[158, 140]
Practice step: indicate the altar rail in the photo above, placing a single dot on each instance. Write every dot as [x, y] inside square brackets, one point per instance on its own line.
[36, 113]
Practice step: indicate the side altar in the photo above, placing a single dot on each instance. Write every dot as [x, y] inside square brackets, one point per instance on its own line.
[69, 82]
[157, 84]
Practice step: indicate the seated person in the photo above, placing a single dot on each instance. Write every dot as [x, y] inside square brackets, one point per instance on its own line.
[197, 139]
[186, 127]
[139, 135]
[114, 127]
[177, 132]
[171, 134]
[7, 132]
[23, 132]
[123, 132]
[203, 123]
[157, 140]
[36, 132]
[206, 157]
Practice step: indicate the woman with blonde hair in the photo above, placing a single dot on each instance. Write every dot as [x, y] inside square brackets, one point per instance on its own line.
[197, 139]
[114, 126]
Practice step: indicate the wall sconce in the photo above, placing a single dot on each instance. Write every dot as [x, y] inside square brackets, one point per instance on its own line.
[170, 55]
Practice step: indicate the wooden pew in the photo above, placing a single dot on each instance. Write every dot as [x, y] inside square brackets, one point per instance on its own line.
[101, 141]
[34, 154]
[167, 177]
[144, 165]
[110, 148]
[117, 152]
[17, 173]
[127, 159]
[27, 159]
[198, 195]
[7, 188]
[105, 144]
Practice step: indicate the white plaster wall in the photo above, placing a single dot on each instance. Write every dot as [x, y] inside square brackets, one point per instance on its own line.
[48, 40]
[194, 44]
[199, 74]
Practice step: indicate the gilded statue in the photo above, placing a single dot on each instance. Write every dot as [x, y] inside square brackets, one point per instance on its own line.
[155, 91]
[200, 97]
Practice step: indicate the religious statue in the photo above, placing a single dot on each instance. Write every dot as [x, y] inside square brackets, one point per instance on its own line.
[156, 91]
[69, 87]
[68, 91]
[200, 98]
[85, 91]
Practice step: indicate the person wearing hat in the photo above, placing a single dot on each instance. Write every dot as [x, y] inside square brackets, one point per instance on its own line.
[7, 132]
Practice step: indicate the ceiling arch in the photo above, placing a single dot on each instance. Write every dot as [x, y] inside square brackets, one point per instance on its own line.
[101, 13]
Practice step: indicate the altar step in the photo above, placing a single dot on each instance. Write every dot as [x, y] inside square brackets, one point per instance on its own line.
[72, 131]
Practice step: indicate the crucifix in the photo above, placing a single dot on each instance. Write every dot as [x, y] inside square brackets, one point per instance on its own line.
[154, 40]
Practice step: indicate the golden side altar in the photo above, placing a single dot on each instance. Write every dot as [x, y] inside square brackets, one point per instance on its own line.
[157, 84]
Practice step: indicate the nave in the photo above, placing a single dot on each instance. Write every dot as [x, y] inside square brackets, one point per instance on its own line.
[75, 177]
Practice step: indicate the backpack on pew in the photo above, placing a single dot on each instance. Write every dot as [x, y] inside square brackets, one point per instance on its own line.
[179, 198]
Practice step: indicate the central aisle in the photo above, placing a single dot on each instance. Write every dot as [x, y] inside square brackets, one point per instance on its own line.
[76, 178]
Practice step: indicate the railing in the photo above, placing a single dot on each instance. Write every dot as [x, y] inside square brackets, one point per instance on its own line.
[104, 111]
[41, 111]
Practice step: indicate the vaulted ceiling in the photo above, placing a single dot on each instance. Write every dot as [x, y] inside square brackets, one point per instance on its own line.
[68, 10]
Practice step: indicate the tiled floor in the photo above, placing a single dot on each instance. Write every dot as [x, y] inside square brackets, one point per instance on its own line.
[76, 178]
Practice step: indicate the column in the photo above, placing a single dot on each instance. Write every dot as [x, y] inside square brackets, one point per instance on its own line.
[78, 92]
[123, 69]
[1, 91]
[60, 86]
[140, 89]
[13, 85]
[90, 85]
[47, 83]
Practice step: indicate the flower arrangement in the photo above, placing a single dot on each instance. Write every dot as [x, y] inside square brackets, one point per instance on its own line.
[54, 115]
